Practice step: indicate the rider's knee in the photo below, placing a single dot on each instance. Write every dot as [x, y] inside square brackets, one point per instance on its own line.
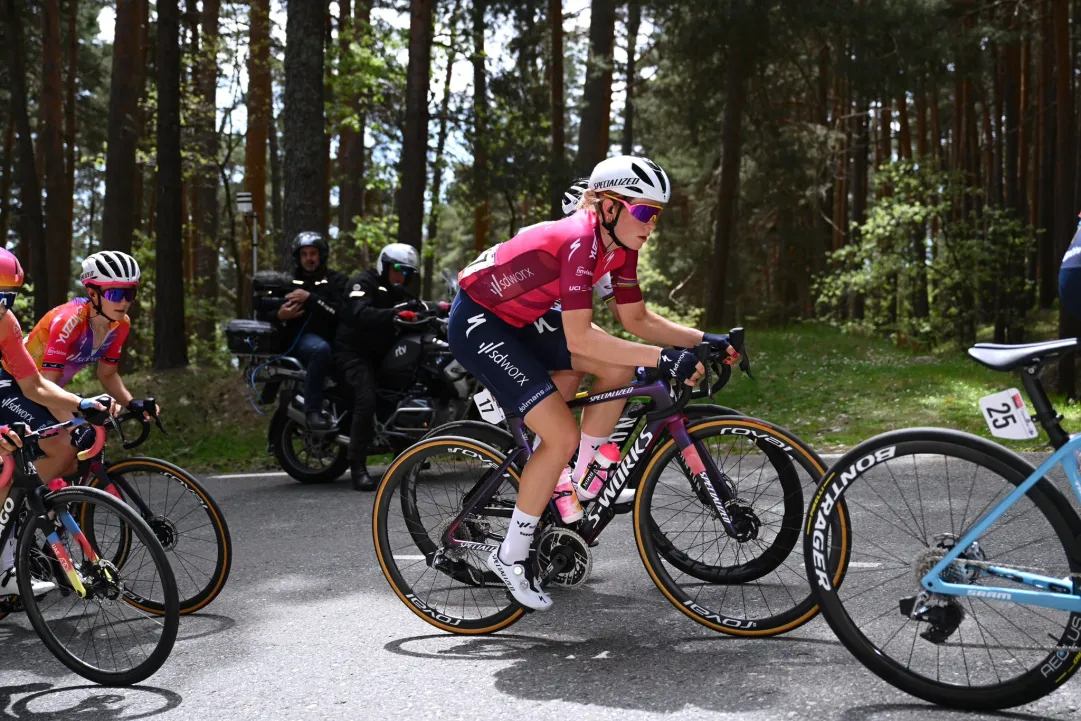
[564, 441]
[616, 374]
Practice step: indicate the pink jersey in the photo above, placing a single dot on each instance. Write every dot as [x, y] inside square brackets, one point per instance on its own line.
[520, 279]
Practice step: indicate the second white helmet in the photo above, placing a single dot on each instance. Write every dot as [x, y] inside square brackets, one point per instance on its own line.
[110, 267]
[631, 177]
[573, 194]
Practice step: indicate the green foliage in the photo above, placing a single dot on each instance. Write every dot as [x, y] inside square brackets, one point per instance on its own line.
[921, 269]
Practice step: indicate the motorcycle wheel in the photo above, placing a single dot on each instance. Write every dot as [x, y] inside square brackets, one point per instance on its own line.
[307, 459]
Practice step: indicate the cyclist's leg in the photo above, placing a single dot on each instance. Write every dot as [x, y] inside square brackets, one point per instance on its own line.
[599, 420]
[59, 455]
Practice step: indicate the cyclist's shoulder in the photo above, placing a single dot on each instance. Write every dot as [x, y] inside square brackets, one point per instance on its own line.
[70, 315]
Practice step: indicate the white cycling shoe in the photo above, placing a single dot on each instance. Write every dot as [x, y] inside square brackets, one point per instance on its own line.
[520, 581]
[9, 585]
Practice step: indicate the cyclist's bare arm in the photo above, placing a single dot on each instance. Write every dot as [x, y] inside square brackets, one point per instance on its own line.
[109, 376]
[586, 339]
[60, 414]
[652, 328]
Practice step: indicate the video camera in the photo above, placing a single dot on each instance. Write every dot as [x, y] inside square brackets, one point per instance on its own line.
[269, 288]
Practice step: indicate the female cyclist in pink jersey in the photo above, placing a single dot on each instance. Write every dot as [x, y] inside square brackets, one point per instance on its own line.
[24, 396]
[496, 323]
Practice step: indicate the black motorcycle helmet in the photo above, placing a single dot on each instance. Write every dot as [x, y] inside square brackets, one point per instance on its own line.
[311, 238]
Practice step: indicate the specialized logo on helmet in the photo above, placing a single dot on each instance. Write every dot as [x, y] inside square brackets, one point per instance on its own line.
[602, 184]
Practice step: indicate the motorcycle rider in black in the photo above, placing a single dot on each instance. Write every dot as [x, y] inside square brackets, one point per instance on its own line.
[311, 309]
[366, 332]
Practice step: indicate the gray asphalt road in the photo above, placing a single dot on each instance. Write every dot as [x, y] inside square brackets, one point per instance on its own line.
[307, 627]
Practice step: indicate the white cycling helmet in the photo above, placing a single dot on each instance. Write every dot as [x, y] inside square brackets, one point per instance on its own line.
[401, 253]
[631, 177]
[110, 268]
[573, 194]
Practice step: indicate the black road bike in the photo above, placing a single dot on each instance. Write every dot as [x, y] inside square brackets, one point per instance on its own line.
[716, 516]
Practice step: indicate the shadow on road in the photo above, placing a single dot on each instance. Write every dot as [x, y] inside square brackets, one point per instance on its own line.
[201, 625]
[921, 711]
[92, 703]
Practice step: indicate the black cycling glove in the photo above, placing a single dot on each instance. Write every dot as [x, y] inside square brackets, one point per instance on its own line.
[139, 406]
[677, 363]
[89, 410]
[717, 340]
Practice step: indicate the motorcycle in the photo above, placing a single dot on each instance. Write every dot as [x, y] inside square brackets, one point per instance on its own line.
[419, 387]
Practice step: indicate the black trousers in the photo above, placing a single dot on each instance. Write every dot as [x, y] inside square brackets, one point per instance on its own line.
[359, 372]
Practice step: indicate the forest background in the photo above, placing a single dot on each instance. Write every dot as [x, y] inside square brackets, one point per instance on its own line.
[893, 178]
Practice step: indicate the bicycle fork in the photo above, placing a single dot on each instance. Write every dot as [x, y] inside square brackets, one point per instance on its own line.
[707, 480]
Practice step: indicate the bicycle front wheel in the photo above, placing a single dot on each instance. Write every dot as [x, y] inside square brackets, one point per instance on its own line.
[754, 584]
[187, 522]
[97, 633]
[912, 495]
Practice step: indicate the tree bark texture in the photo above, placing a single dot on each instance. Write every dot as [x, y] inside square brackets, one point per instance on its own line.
[634, 19]
[57, 227]
[118, 220]
[305, 135]
[597, 94]
[480, 129]
[557, 174]
[170, 340]
[414, 160]
[206, 209]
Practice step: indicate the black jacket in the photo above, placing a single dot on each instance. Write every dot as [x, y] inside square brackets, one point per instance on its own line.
[366, 319]
[322, 306]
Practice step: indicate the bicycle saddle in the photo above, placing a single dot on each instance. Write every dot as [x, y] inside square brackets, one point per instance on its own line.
[1011, 357]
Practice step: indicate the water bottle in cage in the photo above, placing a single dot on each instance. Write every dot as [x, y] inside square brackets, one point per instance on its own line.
[597, 471]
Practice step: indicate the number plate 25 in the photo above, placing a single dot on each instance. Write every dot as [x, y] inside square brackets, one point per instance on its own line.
[1007, 416]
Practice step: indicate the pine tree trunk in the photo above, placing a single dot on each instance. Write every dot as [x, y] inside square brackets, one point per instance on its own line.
[7, 171]
[597, 93]
[557, 175]
[57, 228]
[1065, 212]
[117, 220]
[352, 158]
[480, 130]
[415, 138]
[281, 243]
[69, 112]
[740, 66]
[904, 137]
[438, 165]
[921, 125]
[304, 136]
[1012, 107]
[1046, 175]
[634, 19]
[259, 111]
[206, 208]
[170, 340]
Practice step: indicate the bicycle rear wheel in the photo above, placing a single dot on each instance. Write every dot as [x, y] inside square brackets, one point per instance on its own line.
[100, 637]
[422, 492]
[754, 585]
[187, 522]
[911, 495]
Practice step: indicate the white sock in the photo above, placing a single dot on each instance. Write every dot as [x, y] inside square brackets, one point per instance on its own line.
[516, 545]
[536, 442]
[7, 557]
[586, 450]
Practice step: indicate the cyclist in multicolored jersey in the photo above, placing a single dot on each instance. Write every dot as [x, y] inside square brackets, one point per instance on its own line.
[25, 397]
[92, 329]
[1069, 276]
[511, 287]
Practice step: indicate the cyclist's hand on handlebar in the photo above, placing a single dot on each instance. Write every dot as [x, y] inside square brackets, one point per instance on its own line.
[720, 342]
[145, 407]
[680, 364]
[9, 440]
[97, 410]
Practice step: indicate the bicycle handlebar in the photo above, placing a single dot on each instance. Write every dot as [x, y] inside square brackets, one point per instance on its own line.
[145, 431]
[24, 433]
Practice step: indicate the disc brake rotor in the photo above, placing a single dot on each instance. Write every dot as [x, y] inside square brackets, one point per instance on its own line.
[571, 549]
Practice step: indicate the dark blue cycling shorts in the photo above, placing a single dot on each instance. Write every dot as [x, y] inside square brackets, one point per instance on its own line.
[1069, 289]
[512, 363]
[17, 408]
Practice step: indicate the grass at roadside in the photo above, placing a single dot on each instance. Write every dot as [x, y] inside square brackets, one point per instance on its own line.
[212, 426]
[835, 390]
[830, 388]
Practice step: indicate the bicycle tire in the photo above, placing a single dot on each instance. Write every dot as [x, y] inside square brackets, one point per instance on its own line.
[391, 484]
[170, 618]
[800, 606]
[1050, 671]
[198, 593]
